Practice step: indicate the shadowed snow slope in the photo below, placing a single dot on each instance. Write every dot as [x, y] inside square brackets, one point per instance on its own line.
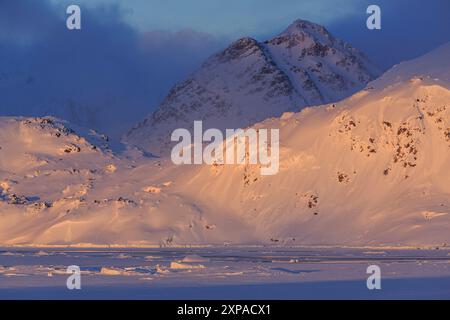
[373, 169]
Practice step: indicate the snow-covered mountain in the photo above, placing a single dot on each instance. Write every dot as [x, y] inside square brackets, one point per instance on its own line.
[250, 81]
[373, 169]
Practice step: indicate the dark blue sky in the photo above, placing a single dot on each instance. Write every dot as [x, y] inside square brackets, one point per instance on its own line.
[129, 53]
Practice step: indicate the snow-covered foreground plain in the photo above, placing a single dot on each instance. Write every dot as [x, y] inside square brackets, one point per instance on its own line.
[224, 273]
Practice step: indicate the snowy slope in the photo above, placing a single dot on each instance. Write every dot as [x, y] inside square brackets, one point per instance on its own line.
[372, 169]
[251, 81]
[61, 184]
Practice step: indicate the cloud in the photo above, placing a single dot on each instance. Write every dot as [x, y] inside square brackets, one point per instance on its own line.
[232, 18]
[23, 22]
[107, 75]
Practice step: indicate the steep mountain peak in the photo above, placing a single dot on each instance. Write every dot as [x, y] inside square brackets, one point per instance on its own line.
[304, 34]
[330, 69]
[299, 27]
[250, 81]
